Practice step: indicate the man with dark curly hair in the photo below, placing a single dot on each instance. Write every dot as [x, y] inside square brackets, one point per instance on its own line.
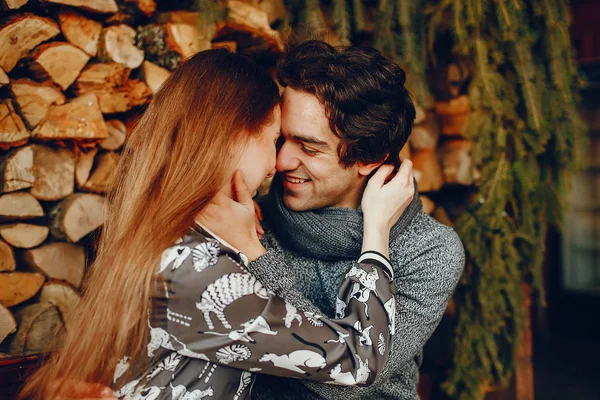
[344, 112]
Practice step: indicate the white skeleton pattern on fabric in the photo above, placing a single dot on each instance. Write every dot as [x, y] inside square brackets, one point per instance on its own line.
[258, 325]
[390, 309]
[365, 339]
[224, 291]
[235, 352]
[122, 367]
[341, 338]
[159, 338]
[205, 255]
[245, 380]
[367, 279]
[179, 392]
[346, 378]
[314, 319]
[381, 344]
[291, 314]
[340, 308]
[292, 361]
[176, 255]
[203, 279]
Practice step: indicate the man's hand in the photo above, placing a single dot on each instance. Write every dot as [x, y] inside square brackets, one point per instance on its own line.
[77, 390]
[234, 220]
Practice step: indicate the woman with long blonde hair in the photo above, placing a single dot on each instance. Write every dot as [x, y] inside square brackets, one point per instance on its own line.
[172, 311]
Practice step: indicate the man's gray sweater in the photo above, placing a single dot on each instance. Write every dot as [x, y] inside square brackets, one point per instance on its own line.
[428, 260]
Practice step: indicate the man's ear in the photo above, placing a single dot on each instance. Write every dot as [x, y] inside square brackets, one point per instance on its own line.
[367, 169]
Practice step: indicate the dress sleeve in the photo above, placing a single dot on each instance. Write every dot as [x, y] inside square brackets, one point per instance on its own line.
[213, 308]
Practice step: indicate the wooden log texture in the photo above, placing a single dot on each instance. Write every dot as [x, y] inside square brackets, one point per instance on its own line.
[454, 115]
[7, 258]
[117, 133]
[427, 170]
[8, 324]
[428, 205]
[13, 131]
[13, 5]
[76, 216]
[19, 206]
[110, 83]
[58, 260]
[62, 295]
[60, 62]
[20, 34]
[38, 325]
[154, 75]
[83, 167]
[101, 176]
[35, 99]
[79, 30]
[54, 173]
[24, 236]
[17, 287]
[117, 44]
[95, 6]
[457, 164]
[426, 135]
[16, 169]
[80, 119]
[4, 80]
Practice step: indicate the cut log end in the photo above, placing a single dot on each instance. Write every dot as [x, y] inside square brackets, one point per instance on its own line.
[154, 75]
[54, 173]
[20, 34]
[38, 326]
[117, 133]
[102, 174]
[58, 61]
[95, 6]
[35, 99]
[427, 170]
[79, 30]
[8, 324]
[58, 260]
[77, 216]
[62, 295]
[7, 258]
[117, 44]
[83, 168]
[18, 206]
[24, 236]
[17, 287]
[13, 132]
[80, 119]
[16, 170]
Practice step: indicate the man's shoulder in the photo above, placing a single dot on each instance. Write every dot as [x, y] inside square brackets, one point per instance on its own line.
[427, 239]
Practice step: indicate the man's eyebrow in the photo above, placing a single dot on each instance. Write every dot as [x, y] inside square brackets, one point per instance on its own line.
[309, 140]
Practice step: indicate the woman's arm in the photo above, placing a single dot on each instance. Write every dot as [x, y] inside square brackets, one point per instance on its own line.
[225, 315]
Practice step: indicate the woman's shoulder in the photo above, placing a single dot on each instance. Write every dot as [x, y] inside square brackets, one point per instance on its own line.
[196, 250]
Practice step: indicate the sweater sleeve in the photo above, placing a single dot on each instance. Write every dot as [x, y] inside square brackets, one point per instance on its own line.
[215, 310]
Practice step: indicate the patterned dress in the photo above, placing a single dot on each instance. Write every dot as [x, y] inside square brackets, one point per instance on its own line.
[213, 325]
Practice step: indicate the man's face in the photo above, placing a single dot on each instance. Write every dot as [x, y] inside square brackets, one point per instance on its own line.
[308, 162]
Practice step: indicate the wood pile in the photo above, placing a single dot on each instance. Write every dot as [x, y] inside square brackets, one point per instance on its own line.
[73, 75]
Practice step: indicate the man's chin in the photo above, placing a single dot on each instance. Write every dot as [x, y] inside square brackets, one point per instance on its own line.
[295, 203]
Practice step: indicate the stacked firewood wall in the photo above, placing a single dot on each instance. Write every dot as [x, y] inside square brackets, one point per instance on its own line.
[74, 76]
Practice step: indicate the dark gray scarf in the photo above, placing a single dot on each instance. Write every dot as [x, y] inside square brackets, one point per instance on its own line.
[328, 233]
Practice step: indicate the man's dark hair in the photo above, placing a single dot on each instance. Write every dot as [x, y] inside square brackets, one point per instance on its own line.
[364, 96]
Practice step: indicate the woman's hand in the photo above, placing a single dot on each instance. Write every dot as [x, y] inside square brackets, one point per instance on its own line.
[234, 220]
[384, 203]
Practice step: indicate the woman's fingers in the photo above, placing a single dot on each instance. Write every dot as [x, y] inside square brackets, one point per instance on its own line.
[378, 179]
[242, 194]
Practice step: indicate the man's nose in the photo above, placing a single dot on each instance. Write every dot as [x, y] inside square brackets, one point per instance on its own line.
[286, 158]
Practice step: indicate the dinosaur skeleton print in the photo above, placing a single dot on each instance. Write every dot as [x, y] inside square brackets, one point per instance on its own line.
[214, 325]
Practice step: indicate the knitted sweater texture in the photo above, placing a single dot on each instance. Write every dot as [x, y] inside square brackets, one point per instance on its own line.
[428, 260]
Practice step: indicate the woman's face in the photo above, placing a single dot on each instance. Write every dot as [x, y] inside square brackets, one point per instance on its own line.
[258, 161]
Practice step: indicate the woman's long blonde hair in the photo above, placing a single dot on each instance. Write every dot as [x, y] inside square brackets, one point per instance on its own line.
[180, 153]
